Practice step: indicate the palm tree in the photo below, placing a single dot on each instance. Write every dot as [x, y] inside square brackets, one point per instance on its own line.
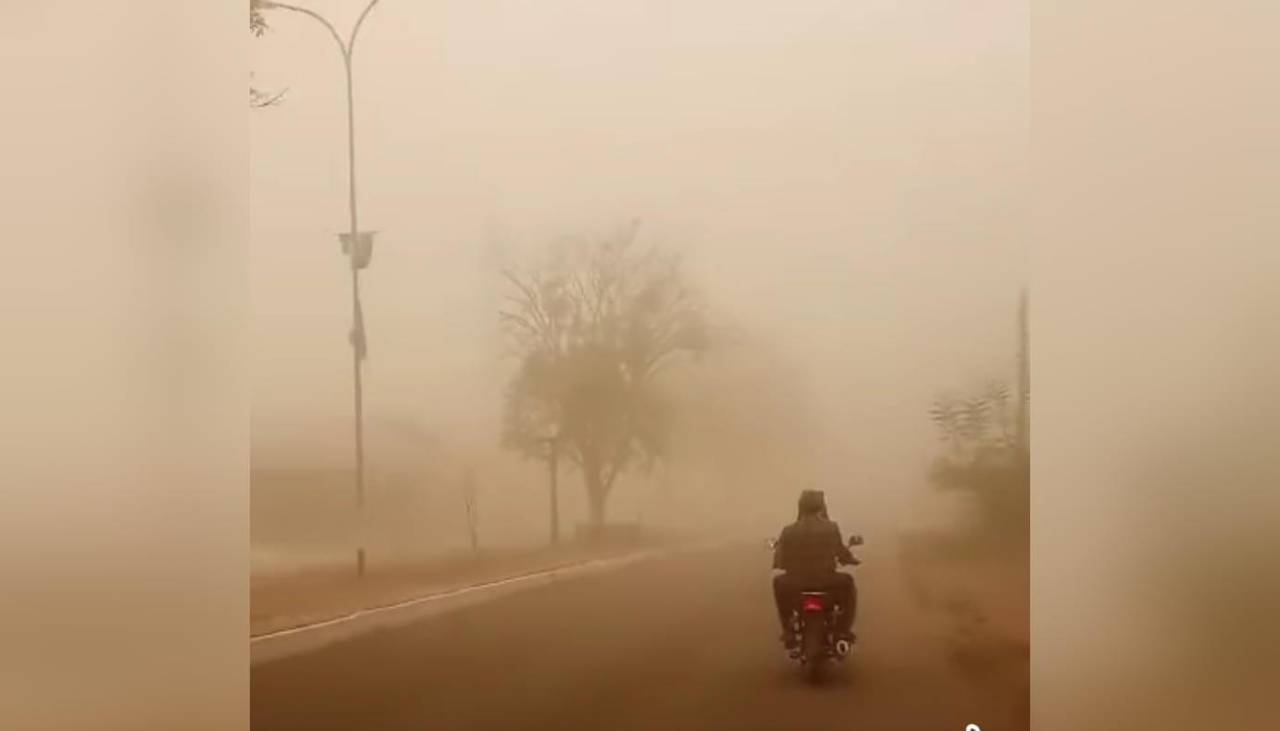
[946, 415]
[997, 394]
[975, 418]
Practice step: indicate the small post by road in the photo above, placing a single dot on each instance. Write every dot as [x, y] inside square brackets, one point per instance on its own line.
[473, 509]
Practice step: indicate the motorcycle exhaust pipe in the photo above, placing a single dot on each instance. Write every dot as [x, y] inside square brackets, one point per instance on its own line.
[843, 647]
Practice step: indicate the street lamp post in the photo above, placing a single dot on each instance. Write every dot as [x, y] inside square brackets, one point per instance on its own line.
[358, 247]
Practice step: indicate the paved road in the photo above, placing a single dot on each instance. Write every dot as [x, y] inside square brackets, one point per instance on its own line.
[683, 643]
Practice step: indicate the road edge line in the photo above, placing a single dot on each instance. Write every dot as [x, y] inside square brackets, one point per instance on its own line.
[305, 638]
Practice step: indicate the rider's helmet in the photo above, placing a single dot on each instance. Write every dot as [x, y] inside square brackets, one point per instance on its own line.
[812, 502]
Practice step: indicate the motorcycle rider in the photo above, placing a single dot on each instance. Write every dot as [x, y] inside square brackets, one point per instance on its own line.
[807, 552]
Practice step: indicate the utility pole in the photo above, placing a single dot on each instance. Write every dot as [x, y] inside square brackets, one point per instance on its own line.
[358, 246]
[1024, 375]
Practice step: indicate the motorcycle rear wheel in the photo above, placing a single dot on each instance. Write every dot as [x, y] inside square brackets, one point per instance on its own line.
[815, 650]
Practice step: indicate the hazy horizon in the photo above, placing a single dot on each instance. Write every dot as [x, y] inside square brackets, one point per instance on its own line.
[844, 183]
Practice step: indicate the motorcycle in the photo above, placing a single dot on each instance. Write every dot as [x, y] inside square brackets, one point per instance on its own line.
[813, 623]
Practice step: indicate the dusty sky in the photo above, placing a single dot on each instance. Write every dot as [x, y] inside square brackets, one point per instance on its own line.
[846, 182]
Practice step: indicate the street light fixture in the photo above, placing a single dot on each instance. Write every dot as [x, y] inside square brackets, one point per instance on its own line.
[358, 254]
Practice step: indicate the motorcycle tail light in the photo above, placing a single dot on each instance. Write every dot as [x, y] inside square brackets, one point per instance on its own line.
[812, 604]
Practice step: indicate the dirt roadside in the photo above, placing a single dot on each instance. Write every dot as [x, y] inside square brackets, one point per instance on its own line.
[982, 593]
[283, 601]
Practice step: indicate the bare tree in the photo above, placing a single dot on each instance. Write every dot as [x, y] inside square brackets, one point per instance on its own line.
[592, 334]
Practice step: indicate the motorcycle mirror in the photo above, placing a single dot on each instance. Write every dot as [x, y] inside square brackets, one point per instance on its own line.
[855, 540]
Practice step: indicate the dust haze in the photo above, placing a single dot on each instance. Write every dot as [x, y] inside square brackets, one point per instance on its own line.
[843, 184]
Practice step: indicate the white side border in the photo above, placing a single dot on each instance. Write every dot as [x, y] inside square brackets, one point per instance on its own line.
[310, 637]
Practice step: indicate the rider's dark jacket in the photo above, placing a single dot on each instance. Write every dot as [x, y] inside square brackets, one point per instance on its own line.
[810, 548]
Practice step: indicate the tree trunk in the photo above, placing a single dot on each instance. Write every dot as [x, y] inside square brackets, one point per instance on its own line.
[472, 520]
[597, 491]
[553, 463]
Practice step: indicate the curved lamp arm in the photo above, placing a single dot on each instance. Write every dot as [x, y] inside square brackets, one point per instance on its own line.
[346, 46]
[351, 43]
